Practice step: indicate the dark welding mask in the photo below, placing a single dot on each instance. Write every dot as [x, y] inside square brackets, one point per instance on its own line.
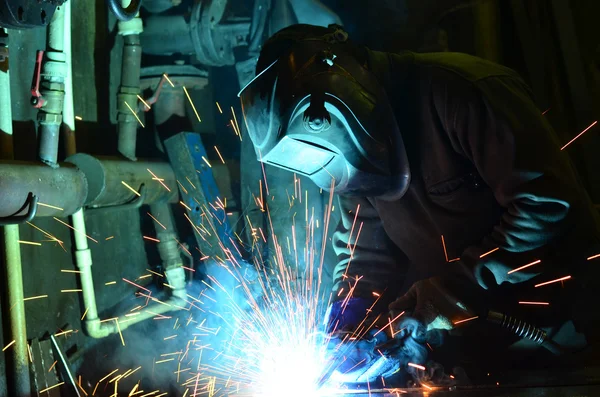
[315, 110]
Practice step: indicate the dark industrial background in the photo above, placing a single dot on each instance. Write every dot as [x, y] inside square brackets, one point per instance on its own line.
[553, 44]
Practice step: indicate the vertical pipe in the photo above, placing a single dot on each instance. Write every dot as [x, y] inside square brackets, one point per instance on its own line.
[19, 371]
[168, 248]
[68, 108]
[130, 85]
[52, 90]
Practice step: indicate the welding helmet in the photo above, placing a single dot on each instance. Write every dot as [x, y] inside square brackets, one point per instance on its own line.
[315, 109]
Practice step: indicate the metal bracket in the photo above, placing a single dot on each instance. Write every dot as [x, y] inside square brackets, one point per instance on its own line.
[32, 202]
[136, 202]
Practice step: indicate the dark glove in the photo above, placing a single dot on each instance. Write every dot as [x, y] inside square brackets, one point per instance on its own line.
[354, 358]
[439, 302]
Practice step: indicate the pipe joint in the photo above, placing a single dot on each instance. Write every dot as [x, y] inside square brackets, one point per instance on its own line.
[176, 279]
[133, 26]
[127, 96]
[98, 330]
[83, 258]
[55, 70]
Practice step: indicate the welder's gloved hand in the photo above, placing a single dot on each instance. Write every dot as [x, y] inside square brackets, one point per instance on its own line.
[352, 357]
[439, 302]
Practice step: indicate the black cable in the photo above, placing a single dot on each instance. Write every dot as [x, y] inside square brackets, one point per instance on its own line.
[124, 13]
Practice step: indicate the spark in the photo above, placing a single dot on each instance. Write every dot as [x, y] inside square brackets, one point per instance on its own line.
[35, 297]
[70, 290]
[52, 366]
[77, 118]
[168, 79]
[9, 345]
[134, 114]
[51, 387]
[71, 227]
[29, 242]
[110, 283]
[580, 134]
[534, 303]
[545, 111]
[236, 123]
[190, 182]
[132, 189]
[160, 180]
[553, 281]
[84, 313]
[64, 332]
[151, 239]
[524, 267]
[109, 238]
[219, 153]
[593, 257]
[182, 188]
[444, 245]
[219, 107]
[156, 220]
[206, 161]
[417, 366]
[50, 206]
[192, 103]
[489, 252]
[155, 273]
[144, 102]
[120, 333]
[465, 320]
[186, 207]
[164, 361]
[46, 234]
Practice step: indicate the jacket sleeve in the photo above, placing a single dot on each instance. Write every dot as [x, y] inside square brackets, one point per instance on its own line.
[364, 252]
[495, 124]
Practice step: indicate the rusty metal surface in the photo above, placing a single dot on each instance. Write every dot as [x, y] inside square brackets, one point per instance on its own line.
[65, 188]
[106, 175]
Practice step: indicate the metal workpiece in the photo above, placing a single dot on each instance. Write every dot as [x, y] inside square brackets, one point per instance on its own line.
[106, 177]
[212, 230]
[64, 188]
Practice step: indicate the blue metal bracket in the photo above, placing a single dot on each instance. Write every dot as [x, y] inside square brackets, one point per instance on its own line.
[200, 193]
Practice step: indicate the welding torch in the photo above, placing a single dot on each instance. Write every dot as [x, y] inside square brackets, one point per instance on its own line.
[520, 328]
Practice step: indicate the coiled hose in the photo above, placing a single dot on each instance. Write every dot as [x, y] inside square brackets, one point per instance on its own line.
[524, 330]
[124, 13]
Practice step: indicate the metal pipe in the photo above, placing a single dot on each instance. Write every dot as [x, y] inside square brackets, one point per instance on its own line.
[106, 177]
[68, 107]
[92, 324]
[54, 72]
[168, 248]
[19, 365]
[64, 188]
[130, 85]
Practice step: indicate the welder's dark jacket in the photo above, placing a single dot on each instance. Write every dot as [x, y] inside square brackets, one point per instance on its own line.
[486, 172]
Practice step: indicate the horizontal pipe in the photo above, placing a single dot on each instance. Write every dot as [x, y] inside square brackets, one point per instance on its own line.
[98, 330]
[64, 188]
[106, 175]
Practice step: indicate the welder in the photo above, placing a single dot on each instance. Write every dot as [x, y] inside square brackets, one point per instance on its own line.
[454, 193]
